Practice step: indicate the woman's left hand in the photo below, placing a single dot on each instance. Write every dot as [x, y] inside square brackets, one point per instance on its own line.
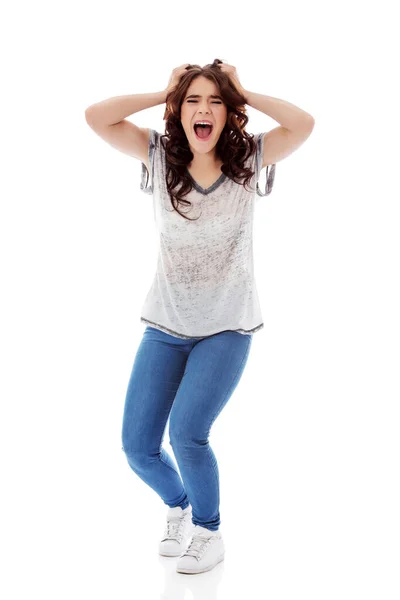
[231, 71]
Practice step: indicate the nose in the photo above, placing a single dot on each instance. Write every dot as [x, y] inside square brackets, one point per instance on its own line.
[206, 110]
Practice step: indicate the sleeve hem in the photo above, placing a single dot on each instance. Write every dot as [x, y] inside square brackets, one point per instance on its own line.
[270, 173]
[147, 179]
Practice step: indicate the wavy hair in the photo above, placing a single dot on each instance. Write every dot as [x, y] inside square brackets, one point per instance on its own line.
[234, 145]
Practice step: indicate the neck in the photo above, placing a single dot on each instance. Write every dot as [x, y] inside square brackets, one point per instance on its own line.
[205, 162]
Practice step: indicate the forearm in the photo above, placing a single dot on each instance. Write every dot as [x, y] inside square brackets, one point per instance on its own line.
[114, 110]
[288, 115]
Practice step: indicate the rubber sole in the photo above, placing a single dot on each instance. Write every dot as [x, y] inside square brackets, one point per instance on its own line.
[194, 571]
[170, 555]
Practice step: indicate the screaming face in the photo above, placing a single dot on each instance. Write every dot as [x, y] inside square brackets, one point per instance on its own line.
[203, 115]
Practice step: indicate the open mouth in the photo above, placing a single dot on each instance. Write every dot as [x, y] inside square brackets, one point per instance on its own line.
[203, 132]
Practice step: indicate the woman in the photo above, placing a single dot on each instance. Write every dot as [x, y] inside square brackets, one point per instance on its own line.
[202, 308]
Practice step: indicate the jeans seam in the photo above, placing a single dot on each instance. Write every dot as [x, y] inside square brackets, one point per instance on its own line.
[223, 400]
[233, 382]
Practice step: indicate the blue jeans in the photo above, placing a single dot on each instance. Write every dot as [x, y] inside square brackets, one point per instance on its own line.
[190, 381]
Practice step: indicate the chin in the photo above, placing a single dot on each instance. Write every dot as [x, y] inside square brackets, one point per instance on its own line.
[202, 148]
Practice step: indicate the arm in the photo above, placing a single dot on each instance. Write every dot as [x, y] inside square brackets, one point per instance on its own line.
[114, 110]
[296, 126]
[107, 119]
[288, 115]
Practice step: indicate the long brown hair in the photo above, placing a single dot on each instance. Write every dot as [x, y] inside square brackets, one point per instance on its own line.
[234, 146]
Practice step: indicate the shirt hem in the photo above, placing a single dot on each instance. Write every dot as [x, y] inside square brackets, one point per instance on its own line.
[187, 337]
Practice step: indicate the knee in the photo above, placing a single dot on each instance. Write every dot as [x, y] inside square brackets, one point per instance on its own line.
[139, 451]
[133, 440]
[178, 433]
[184, 435]
[131, 451]
[133, 447]
[139, 458]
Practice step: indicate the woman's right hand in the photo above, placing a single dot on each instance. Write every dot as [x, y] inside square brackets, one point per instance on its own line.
[175, 77]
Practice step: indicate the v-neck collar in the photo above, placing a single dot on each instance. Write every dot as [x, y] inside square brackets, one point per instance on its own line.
[211, 188]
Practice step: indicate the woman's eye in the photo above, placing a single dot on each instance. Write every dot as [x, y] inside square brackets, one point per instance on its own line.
[216, 102]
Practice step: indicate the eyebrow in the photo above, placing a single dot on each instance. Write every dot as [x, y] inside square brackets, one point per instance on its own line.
[198, 96]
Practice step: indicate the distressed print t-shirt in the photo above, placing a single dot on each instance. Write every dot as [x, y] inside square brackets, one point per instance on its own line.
[204, 282]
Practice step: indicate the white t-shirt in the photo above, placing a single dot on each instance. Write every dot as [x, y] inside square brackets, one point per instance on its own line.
[204, 282]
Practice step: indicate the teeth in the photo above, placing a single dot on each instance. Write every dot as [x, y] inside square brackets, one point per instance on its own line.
[203, 123]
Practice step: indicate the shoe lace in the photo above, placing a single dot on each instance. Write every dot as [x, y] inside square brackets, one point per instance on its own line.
[197, 545]
[173, 529]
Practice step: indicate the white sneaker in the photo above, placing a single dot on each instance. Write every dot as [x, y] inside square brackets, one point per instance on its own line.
[177, 531]
[204, 551]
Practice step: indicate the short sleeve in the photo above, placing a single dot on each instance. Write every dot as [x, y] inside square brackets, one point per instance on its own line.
[270, 173]
[147, 179]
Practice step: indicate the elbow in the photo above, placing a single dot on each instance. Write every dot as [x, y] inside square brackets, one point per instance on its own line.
[89, 114]
[311, 121]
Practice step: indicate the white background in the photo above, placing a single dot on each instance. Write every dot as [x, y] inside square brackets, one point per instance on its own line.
[308, 445]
